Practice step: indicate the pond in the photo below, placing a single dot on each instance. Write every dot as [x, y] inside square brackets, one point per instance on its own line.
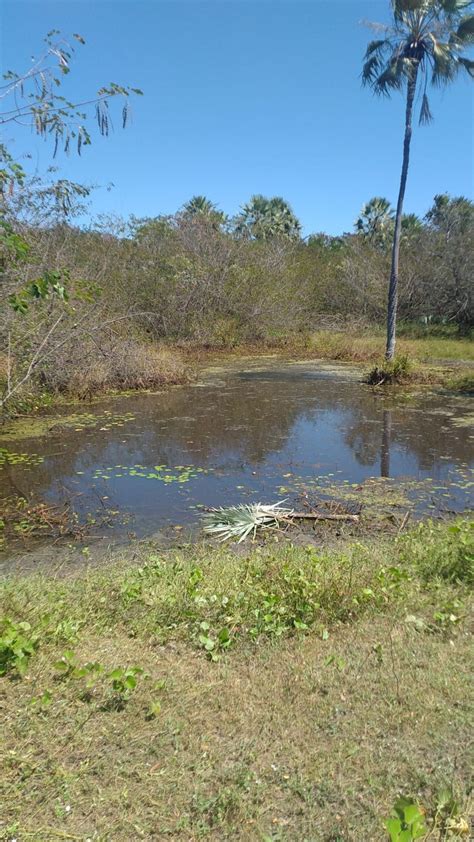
[250, 430]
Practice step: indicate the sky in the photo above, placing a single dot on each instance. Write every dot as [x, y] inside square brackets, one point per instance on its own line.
[240, 97]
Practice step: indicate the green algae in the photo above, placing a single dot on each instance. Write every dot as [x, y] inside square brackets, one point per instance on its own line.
[38, 426]
[9, 457]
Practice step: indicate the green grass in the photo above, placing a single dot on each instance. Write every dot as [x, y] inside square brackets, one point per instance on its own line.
[275, 694]
[364, 347]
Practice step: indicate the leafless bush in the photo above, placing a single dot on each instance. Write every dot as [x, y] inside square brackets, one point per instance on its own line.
[121, 363]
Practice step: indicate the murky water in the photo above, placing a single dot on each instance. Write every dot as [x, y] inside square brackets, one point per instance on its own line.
[252, 430]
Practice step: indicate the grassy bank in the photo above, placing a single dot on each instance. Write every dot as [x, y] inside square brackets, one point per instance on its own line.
[279, 694]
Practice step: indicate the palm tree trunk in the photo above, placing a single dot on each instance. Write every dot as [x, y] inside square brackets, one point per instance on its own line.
[393, 287]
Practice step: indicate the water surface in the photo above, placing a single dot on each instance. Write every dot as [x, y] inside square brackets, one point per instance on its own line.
[251, 430]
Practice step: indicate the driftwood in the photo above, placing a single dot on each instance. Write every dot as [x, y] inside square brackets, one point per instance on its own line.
[320, 516]
[306, 516]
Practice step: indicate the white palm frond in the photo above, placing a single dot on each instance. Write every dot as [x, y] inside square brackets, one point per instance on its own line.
[240, 521]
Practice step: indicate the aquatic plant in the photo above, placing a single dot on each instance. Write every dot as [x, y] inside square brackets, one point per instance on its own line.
[164, 473]
[8, 457]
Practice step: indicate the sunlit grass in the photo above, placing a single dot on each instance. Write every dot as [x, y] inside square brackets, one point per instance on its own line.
[204, 694]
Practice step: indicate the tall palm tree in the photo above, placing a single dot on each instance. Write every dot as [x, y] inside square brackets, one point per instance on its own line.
[424, 44]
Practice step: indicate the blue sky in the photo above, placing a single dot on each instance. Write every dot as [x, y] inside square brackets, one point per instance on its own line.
[241, 97]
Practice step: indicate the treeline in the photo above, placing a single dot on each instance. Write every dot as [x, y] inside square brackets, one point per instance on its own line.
[78, 304]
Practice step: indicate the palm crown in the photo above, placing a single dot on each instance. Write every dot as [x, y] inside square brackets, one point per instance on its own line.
[263, 218]
[426, 41]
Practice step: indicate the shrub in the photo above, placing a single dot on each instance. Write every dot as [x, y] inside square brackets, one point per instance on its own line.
[128, 364]
[390, 371]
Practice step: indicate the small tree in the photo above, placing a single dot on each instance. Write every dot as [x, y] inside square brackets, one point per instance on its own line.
[424, 44]
[34, 99]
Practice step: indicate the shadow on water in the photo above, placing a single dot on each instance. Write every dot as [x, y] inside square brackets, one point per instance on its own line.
[243, 433]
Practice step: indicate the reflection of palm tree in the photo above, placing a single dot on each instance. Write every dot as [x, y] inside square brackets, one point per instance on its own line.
[386, 441]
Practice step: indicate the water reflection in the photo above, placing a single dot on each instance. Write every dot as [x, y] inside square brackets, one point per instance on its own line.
[386, 441]
[250, 429]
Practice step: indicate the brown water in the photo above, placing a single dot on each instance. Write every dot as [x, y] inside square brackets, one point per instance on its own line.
[253, 430]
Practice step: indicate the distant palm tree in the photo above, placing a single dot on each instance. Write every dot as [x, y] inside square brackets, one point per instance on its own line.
[263, 218]
[199, 204]
[451, 214]
[202, 206]
[375, 220]
[426, 37]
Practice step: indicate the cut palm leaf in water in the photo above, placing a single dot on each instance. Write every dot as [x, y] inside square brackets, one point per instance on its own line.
[240, 521]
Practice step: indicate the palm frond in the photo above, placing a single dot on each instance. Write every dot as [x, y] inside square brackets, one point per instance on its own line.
[453, 7]
[468, 65]
[391, 78]
[240, 521]
[403, 7]
[445, 64]
[425, 111]
[370, 70]
[465, 30]
[376, 47]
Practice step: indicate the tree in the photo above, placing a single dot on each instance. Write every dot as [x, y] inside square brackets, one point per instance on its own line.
[201, 207]
[263, 218]
[424, 44]
[451, 215]
[375, 221]
[34, 99]
[450, 226]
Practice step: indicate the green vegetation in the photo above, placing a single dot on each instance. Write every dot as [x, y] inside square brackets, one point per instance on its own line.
[217, 695]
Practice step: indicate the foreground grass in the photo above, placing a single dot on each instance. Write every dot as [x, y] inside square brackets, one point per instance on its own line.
[284, 694]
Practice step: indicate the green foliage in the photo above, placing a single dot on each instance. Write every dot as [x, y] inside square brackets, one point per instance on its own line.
[390, 371]
[17, 644]
[48, 285]
[451, 558]
[376, 221]
[13, 247]
[428, 44]
[33, 97]
[408, 822]
[264, 218]
[124, 679]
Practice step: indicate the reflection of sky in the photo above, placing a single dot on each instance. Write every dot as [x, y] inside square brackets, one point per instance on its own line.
[250, 434]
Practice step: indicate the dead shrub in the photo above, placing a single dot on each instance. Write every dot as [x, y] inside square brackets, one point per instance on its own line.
[90, 368]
